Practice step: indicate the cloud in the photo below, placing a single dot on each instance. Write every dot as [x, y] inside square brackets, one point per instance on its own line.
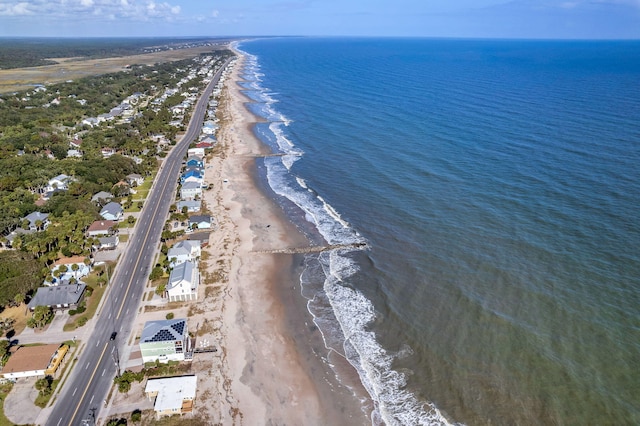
[133, 10]
[22, 8]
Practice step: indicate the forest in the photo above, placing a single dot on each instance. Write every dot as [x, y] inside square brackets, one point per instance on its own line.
[34, 143]
[33, 52]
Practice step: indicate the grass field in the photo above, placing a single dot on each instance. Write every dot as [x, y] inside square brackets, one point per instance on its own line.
[12, 80]
[19, 314]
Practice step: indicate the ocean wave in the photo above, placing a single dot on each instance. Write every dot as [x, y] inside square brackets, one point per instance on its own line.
[354, 312]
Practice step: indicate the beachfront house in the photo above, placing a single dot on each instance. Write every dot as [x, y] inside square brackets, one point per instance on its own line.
[184, 251]
[164, 340]
[194, 161]
[192, 175]
[196, 152]
[183, 282]
[193, 206]
[201, 222]
[173, 395]
[191, 190]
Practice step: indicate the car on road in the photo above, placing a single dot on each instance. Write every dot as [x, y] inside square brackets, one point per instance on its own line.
[113, 335]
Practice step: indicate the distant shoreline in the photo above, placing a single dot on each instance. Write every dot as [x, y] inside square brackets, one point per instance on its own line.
[19, 79]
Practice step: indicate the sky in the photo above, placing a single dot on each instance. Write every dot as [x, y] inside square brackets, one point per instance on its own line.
[546, 19]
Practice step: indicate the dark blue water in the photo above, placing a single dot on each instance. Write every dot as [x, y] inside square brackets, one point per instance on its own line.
[497, 186]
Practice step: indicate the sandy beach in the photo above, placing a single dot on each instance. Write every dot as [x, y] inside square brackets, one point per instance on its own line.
[269, 369]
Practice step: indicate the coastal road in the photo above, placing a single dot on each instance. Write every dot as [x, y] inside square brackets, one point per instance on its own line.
[86, 388]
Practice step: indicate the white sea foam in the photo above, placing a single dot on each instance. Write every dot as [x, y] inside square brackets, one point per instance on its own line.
[394, 405]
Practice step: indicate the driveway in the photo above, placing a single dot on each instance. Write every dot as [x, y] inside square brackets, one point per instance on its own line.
[19, 405]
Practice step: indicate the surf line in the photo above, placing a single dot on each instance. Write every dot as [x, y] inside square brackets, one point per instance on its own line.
[312, 249]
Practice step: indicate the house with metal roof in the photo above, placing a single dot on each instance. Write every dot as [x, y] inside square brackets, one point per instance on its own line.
[173, 395]
[183, 282]
[193, 206]
[164, 340]
[184, 251]
[102, 197]
[112, 211]
[65, 296]
[190, 190]
[35, 219]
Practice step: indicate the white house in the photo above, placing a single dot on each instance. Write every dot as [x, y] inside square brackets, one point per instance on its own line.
[196, 152]
[193, 206]
[184, 251]
[191, 190]
[112, 211]
[107, 152]
[183, 282]
[60, 182]
[135, 179]
[74, 153]
[173, 395]
[90, 121]
[201, 221]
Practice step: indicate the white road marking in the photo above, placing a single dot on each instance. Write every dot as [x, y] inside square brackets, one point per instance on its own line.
[58, 424]
[97, 343]
[103, 371]
[92, 396]
[74, 392]
[87, 366]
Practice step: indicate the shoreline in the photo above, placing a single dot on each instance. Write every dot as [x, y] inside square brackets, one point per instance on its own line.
[273, 367]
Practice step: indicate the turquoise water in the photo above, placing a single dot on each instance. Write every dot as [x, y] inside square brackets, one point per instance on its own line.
[497, 186]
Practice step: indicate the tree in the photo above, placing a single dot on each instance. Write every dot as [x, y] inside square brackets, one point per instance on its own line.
[136, 416]
[19, 298]
[44, 385]
[156, 273]
[42, 315]
[4, 348]
[160, 289]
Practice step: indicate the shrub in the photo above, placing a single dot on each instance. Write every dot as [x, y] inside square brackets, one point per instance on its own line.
[170, 315]
[82, 321]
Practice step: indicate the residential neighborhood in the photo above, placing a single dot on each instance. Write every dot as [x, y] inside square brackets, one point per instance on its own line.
[80, 247]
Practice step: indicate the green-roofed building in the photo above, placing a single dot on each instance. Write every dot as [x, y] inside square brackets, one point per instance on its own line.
[164, 340]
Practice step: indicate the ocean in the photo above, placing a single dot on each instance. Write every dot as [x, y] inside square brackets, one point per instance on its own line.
[495, 186]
